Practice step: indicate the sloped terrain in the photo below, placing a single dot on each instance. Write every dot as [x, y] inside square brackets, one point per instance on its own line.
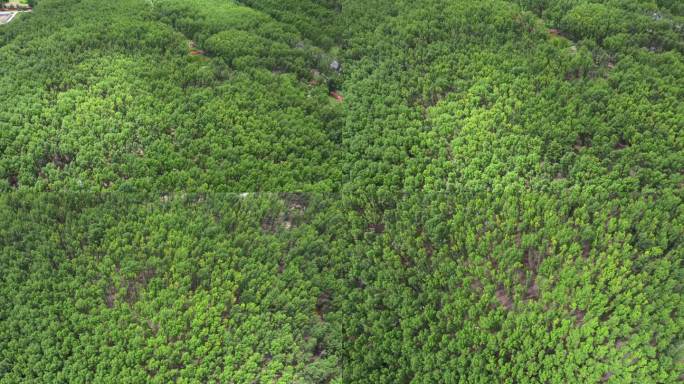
[479, 192]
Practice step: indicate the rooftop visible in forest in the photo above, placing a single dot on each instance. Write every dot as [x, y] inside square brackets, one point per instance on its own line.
[9, 10]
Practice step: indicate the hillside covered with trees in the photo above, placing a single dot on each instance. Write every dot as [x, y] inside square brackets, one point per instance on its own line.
[342, 191]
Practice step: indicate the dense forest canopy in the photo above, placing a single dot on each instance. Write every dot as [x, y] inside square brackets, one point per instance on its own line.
[107, 96]
[342, 191]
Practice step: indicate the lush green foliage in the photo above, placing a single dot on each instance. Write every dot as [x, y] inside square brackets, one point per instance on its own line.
[498, 198]
[126, 289]
[107, 96]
